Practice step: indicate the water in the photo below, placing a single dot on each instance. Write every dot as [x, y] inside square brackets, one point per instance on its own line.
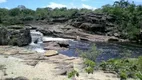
[37, 42]
[54, 39]
[108, 50]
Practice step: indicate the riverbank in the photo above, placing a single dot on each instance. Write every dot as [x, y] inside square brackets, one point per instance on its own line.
[34, 67]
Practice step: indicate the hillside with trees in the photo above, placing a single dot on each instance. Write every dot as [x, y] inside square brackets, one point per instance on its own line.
[127, 17]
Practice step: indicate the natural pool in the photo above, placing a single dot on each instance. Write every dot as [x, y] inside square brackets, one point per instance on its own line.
[108, 50]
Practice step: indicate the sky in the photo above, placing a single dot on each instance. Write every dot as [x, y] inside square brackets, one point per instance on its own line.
[33, 4]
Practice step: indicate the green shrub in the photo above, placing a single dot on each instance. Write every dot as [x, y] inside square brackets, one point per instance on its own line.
[73, 73]
[123, 75]
[139, 75]
[121, 66]
[89, 63]
[91, 54]
[140, 63]
[89, 70]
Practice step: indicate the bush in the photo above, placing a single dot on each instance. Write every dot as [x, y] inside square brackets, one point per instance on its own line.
[139, 75]
[120, 66]
[123, 75]
[91, 54]
[140, 63]
[89, 70]
[73, 73]
[89, 63]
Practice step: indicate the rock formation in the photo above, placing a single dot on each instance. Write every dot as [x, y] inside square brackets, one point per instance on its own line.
[13, 36]
[97, 23]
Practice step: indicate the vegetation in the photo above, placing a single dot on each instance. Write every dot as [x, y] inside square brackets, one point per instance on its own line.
[139, 75]
[90, 57]
[73, 73]
[123, 75]
[125, 68]
[91, 54]
[89, 70]
[128, 16]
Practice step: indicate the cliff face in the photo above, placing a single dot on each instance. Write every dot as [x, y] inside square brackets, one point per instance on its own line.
[94, 22]
[97, 23]
[16, 37]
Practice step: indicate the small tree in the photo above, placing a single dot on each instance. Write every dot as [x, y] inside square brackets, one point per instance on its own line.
[91, 54]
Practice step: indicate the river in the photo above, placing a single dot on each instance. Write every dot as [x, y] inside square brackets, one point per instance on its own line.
[108, 50]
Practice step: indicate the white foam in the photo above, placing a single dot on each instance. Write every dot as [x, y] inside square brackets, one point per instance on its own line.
[55, 39]
[39, 50]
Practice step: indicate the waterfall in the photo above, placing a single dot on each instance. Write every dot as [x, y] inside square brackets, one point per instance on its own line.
[37, 42]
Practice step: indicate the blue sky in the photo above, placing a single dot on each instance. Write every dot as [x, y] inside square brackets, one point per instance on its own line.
[33, 4]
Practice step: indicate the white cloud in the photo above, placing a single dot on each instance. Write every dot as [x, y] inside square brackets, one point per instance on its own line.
[70, 5]
[88, 7]
[56, 5]
[2, 1]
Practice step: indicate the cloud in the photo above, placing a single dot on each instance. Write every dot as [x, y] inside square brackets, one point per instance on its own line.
[56, 5]
[2, 1]
[70, 5]
[88, 7]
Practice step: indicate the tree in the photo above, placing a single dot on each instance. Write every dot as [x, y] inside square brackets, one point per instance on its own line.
[14, 12]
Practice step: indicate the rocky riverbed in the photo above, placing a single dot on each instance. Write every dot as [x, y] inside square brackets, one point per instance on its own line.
[35, 66]
[39, 57]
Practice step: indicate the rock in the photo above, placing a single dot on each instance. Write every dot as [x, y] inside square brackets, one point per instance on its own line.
[59, 19]
[56, 45]
[51, 45]
[113, 39]
[97, 23]
[64, 70]
[26, 52]
[11, 52]
[17, 78]
[50, 53]
[21, 78]
[46, 32]
[15, 37]
[32, 63]
[8, 79]
[64, 44]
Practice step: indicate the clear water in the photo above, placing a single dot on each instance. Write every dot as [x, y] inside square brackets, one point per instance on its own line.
[108, 50]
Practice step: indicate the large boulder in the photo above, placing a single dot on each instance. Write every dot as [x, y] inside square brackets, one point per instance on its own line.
[16, 37]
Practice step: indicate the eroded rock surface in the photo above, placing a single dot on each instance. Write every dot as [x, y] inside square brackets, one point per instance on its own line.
[14, 36]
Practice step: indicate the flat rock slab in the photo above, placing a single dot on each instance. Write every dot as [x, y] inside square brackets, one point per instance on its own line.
[13, 50]
[50, 53]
